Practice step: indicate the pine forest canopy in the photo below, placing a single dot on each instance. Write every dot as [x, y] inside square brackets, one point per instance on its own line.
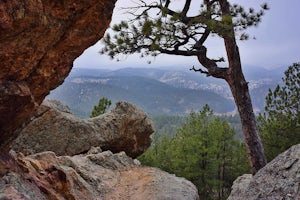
[204, 150]
[280, 124]
[155, 29]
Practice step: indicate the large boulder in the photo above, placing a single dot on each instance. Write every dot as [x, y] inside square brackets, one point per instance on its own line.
[39, 40]
[96, 175]
[124, 128]
[279, 179]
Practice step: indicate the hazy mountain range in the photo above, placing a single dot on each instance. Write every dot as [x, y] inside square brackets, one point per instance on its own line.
[159, 90]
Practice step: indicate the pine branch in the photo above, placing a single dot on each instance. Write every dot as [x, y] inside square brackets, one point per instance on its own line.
[219, 60]
[210, 64]
[199, 70]
[186, 7]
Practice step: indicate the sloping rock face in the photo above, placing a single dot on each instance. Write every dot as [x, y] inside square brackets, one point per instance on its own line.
[279, 179]
[96, 175]
[39, 40]
[125, 128]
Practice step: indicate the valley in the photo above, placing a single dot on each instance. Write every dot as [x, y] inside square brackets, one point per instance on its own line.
[158, 91]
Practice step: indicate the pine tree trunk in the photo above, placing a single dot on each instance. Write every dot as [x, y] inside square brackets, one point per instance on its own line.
[239, 89]
[240, 92]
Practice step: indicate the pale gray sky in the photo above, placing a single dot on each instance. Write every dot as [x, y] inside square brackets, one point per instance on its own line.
[277, 41]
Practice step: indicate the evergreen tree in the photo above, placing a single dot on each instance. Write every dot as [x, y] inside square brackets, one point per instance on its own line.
[167, 124]
[280, 124]
[205, 151]
[156, 28]
[101, 108]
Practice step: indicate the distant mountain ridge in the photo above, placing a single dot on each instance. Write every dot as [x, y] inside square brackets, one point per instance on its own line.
[157, 91]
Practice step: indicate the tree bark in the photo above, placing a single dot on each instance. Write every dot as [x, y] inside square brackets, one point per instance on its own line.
[239, 89]
[240, 92]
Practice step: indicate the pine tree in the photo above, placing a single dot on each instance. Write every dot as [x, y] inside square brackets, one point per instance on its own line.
[280, 124]
[205, 151]
[157, 29]
[101, 108]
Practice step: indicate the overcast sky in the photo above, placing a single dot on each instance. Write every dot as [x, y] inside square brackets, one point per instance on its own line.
[277, 42]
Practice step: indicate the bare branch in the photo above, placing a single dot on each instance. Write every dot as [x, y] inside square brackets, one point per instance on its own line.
[219, 60]
[178, 52]
[210, 65]
[203, 37]
[186, 7]
[200, 70]
[167, 3]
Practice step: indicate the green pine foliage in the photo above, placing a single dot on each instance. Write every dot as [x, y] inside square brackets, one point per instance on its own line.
[205, 151]
[280, 124]
[101, 108]
[154, 28]
[235, 122]
[167, 124]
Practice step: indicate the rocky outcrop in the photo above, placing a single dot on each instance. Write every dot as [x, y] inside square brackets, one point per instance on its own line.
[91, 175]
[125, 128]
[96, 175]
[39, 40]
[279, 179]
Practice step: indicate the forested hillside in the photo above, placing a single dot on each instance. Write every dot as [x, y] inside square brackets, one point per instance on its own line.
[157, 91]
[155, 97]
